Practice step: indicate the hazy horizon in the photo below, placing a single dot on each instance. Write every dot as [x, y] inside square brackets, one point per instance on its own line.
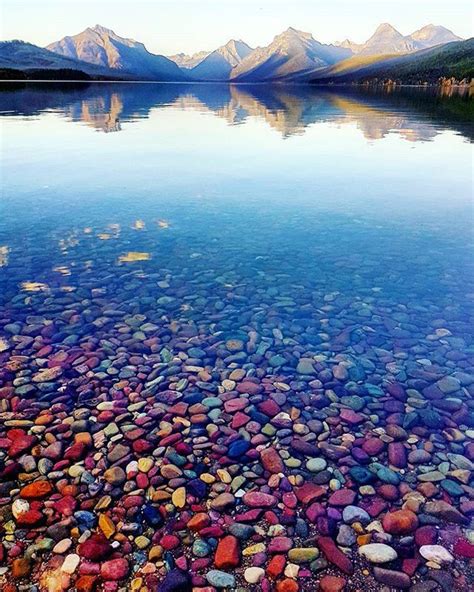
[195, 25]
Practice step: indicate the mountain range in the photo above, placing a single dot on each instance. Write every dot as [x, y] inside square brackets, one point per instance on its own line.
[214, 65]
[387, 40]
[292, 55]
[103, 47]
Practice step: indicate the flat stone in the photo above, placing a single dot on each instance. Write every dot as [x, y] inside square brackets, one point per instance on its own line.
[220, 579]
[378, 553]
[254, 575]
[436, 553]
[257, 499]
[176, 580]
[303, 554]
[389, 577]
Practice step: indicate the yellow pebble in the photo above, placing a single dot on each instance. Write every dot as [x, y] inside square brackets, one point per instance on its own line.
[364, 539]
[179, 497]
[155, 553]
[224, 476]
[136, 584]
[207, 478]
[253, 549]
[142, 542]
[145, 464]
[103, 503]
[106, 526]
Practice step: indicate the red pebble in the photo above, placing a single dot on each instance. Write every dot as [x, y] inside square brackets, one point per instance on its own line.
[115, 569]
[169, 541]
[335, 555]
[276, 566]
[331, 584]
[36, 490]
[96, 548]
[287, 585]
[29, 519]
[426, 535]
[309, 492]
[463, 548]
[227, 553]
[65, 506]
[400, 522]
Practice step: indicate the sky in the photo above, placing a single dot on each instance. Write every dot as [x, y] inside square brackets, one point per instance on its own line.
[171, 26]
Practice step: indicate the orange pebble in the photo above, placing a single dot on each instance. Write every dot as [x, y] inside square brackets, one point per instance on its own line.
[287, 586]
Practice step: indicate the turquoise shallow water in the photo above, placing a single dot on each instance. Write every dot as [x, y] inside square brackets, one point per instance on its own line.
[206, 257]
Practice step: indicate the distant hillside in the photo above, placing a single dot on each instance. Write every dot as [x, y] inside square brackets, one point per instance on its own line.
[101, 46]
[19, 55]
[453, 60]
[44, 74]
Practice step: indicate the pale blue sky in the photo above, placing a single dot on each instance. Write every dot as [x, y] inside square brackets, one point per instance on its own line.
[169, 26]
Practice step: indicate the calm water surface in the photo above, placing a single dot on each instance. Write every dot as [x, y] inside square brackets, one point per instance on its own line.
[268, 193]
[249, 248]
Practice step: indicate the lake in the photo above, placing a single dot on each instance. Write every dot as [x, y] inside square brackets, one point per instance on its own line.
[229, 308]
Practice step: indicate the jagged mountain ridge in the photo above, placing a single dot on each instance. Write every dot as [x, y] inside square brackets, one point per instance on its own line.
[219, 64]
[291, 56]
[290, 52]
[188, 61]
[387, 40]
[101, 46]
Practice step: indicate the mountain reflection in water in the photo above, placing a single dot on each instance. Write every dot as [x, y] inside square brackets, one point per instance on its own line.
[415, 114]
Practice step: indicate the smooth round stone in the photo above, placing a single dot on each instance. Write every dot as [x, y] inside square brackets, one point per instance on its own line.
[179, 497]
[355, 514]
[145, 464]
[388, 476]
[220, 579]
[362, 475]
[176, 581]
[212, 402]
[238, 448]
[115, 476]
[19, 507]
[315, 465]
[419, 456]
[305, 366]
[378, 553]
[171, 471]
[63, 546]
[234, 345]
[436, 553]
[254, 575]
[452, 488]
[346, 536]
[222, 501]
[201, 548]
